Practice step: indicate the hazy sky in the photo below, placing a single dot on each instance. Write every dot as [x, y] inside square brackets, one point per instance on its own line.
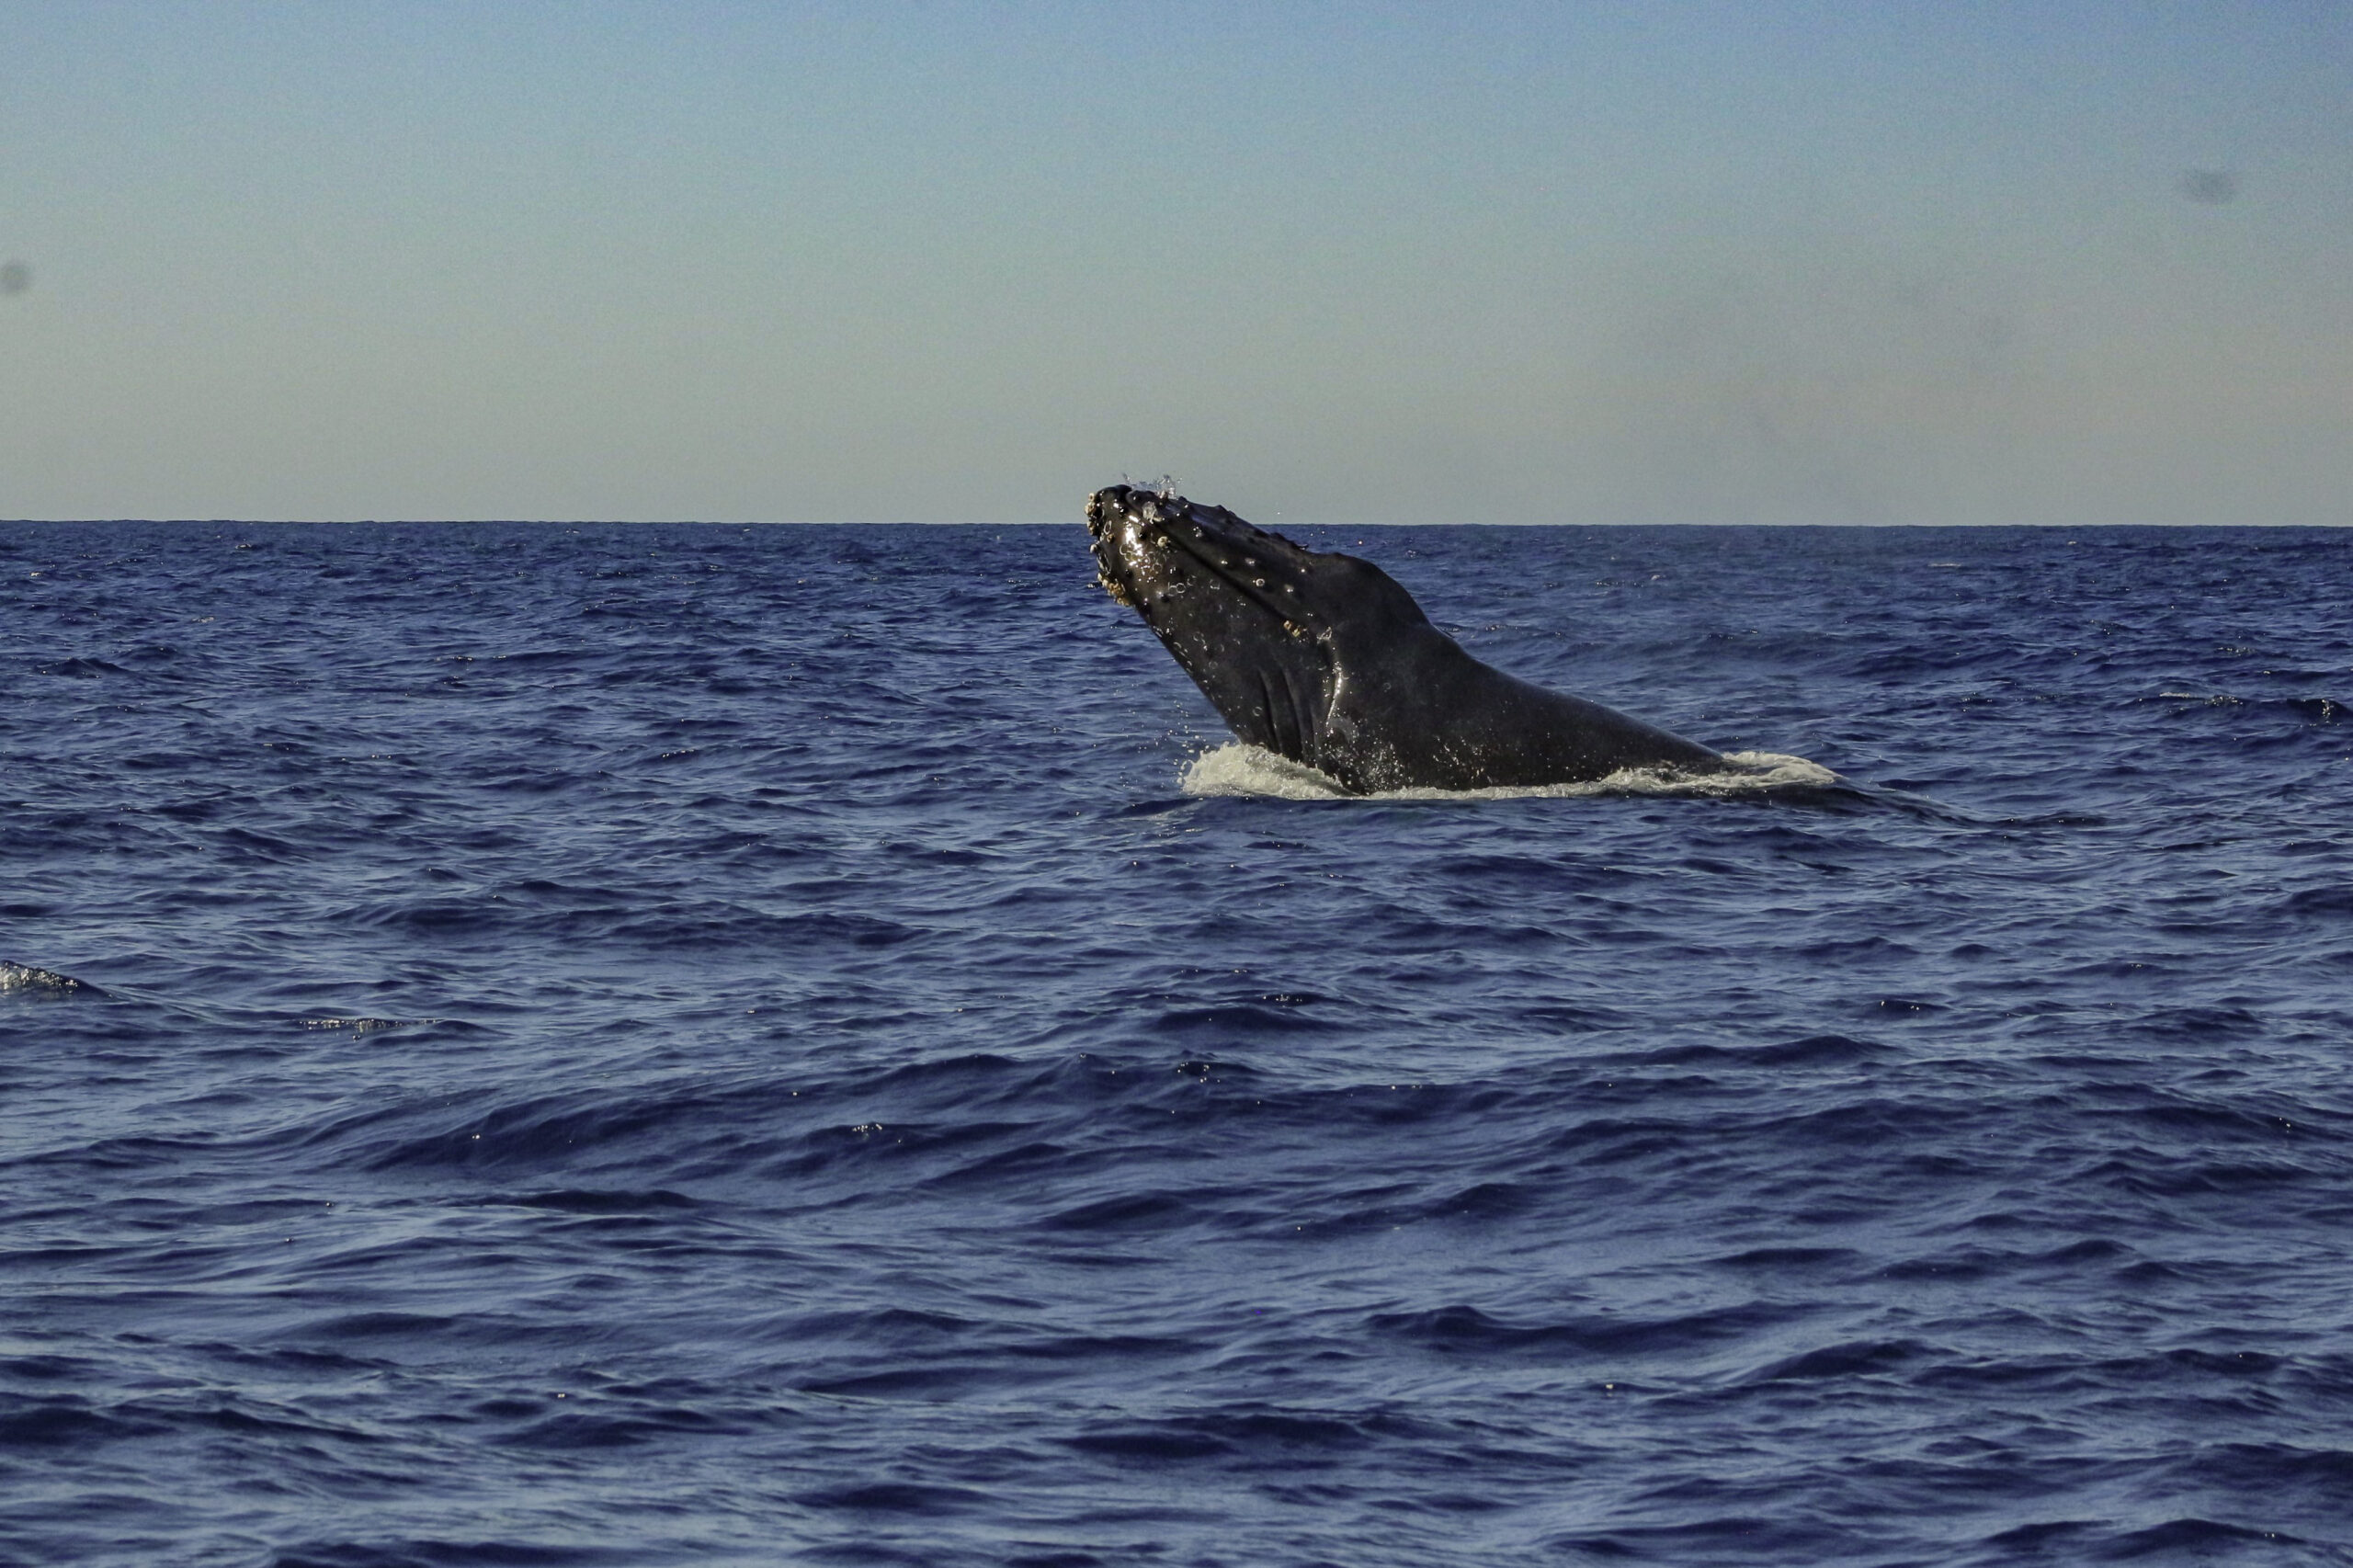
[1570, 262]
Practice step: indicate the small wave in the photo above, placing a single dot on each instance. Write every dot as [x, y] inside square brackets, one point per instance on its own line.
[1240, 768]
[80, 669]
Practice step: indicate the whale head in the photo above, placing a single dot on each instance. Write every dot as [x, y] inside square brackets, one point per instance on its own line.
[1246, 613]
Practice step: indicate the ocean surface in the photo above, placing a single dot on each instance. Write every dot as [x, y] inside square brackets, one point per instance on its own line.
[619, 1045]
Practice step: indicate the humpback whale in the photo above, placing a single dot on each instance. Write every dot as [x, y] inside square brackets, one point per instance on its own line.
[1326, 660]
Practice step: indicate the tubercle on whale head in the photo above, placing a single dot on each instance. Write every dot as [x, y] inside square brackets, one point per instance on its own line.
[1104, 510]
[1130, 526]
[1117, 504]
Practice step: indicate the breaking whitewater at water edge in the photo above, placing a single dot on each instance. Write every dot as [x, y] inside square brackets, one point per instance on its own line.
[1239, 769]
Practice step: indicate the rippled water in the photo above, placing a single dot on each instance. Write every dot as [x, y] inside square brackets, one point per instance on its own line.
[637, 1045]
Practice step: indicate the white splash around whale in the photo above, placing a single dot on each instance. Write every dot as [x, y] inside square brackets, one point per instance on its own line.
[1239, 769]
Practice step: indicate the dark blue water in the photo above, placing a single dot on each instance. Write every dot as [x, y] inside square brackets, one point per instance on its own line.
[643, 1045]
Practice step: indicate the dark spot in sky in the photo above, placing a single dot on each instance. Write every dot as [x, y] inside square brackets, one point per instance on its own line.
[2213, 187]
[14, 278]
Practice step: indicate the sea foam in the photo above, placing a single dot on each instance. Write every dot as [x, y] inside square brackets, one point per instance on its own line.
[1240, 768]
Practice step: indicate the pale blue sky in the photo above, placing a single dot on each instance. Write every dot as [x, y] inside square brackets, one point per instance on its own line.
[1582, 263]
